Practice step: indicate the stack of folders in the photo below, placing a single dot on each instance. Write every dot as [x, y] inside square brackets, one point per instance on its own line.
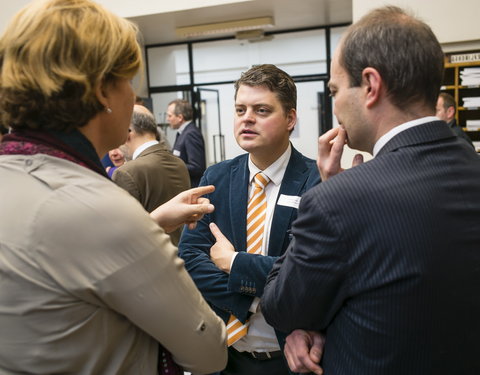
[471, 102]
[473, 125]
[470, 77]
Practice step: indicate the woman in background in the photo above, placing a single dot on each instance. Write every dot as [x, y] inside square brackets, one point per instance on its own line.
[90, 284]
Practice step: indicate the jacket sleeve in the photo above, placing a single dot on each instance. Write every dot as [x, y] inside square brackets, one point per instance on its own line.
[194, 248]
[308, 284]
[249, 273]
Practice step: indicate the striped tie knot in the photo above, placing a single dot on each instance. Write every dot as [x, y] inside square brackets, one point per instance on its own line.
[260, 181]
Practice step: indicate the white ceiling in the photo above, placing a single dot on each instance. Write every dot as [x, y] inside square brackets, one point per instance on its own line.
[287, 14]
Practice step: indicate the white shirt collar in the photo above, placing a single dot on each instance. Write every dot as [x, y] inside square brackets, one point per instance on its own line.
[142, 148]
[183, 126]
[275, 171]
[383, 140]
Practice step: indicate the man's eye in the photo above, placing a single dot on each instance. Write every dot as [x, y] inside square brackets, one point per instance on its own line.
[239, 111]
[263, 111]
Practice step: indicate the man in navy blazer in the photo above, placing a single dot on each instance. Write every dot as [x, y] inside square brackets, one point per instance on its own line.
[385, 260]
[231, 279]
[189, 143]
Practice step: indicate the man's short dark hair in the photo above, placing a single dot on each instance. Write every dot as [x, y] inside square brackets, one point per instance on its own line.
[274, 79]
[184, 108]
[402, 49]
[448, 101]
[143, 123]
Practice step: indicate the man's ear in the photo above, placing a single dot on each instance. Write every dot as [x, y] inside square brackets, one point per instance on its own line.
[291, 119]
[450, 112]
[372, 83]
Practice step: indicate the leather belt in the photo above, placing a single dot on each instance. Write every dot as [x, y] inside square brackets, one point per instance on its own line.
[262, 356]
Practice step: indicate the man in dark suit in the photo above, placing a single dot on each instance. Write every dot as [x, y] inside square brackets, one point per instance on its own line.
[445, 110]
[189, 144]
[231, 278]
[385, 260]
[154, 175]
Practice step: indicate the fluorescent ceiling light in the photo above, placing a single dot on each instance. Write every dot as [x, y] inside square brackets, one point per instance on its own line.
[224, 27]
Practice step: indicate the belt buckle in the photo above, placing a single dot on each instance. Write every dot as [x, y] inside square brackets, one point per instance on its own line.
[261, 355]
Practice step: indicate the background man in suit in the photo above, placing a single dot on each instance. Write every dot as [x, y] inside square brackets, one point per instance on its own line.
[230, 278]
[189, 144]
[154, 175]
[445, 110]
[386, 255]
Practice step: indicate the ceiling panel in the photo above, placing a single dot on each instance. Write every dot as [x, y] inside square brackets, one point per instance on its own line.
[288, 14]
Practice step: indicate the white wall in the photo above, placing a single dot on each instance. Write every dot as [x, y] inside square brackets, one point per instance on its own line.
[451, 21]
[8, 10]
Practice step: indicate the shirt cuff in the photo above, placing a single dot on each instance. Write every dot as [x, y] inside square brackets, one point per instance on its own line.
[233, 259]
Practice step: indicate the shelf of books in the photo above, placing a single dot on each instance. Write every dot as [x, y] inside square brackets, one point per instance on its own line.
[462, 81]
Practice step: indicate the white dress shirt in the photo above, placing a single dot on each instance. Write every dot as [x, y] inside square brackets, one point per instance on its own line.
[142, 148]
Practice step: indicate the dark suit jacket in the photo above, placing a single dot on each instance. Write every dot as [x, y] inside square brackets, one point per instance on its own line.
[191, 148]
[153, 178]
[234, 294]
[459, 132]
[386, 260]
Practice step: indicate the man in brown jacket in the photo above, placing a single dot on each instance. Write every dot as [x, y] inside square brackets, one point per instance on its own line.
[154, 175]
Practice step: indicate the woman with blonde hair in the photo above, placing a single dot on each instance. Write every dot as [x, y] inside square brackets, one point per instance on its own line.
[90, 284]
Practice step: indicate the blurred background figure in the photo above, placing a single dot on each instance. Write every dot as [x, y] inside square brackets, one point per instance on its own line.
[445, 110]
[90, 283]
[117, 156]
[189, 143]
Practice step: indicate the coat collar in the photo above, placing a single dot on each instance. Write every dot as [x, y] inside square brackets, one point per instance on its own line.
[425, 133]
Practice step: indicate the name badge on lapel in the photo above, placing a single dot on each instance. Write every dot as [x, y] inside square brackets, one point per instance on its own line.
[289, 200]
[176, 152]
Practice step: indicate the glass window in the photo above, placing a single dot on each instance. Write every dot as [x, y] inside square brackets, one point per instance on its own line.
[310, 114]
[335, 35]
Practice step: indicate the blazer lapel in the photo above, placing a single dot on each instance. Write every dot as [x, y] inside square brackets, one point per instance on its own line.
[238, 203]
[292, 184]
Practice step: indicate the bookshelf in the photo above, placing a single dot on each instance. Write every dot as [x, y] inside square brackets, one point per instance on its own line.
[462, 80]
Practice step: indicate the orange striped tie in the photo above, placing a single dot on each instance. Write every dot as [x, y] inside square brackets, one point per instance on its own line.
[256, 211]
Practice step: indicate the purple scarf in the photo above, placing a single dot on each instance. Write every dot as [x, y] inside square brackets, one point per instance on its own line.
[73, 146]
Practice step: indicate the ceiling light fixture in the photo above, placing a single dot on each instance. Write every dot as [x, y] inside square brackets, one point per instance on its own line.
[225, 27]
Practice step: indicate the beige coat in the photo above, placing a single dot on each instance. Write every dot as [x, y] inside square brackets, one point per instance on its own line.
[89, 283]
